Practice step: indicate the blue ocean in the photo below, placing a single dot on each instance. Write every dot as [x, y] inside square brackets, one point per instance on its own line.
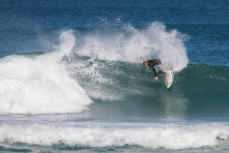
[72, 78]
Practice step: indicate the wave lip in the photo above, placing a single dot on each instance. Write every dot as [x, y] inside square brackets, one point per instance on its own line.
[168, 137]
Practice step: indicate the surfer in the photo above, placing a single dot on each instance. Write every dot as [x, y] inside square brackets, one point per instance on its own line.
[155, 65]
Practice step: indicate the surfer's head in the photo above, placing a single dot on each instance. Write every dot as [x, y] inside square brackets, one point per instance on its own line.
[145, 63]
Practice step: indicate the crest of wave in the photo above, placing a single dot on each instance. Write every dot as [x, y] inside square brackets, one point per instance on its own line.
[41, 84]
[134, 45]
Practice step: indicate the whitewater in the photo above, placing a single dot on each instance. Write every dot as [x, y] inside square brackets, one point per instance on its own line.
[151, 136]
[41, 85]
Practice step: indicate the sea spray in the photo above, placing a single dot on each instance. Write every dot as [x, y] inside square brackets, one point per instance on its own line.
[67, 42]
[134, 45]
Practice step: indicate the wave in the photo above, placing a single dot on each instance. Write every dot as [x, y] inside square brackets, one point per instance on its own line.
[104, 73]
[174, 136]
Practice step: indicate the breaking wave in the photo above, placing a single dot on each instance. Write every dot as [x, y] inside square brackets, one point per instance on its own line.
[41, 84]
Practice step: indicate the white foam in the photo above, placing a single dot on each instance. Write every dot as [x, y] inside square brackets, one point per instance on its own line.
[41, 84]
[135, 45]
[163, 136]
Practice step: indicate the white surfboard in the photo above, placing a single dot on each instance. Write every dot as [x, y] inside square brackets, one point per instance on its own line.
[169, 78]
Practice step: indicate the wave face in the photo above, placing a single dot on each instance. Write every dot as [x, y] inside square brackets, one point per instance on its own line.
[128, 89]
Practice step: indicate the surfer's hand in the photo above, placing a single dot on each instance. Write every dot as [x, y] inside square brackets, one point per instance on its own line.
[156, 78]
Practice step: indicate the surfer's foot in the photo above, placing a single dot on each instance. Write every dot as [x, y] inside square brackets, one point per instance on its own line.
[161, 72]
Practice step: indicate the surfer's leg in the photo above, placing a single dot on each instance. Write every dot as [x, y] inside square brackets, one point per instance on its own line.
[158, 67]
[161, 72]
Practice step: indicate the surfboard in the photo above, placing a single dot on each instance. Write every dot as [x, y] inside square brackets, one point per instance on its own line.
[169, 78]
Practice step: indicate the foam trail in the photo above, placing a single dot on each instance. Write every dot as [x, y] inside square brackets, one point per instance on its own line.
[135, 45]
[157, 136]
[41, 84]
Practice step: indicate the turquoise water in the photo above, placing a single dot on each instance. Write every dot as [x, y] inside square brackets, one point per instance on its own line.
[72, 78]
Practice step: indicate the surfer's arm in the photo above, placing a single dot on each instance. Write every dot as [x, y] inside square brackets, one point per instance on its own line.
[154, 71]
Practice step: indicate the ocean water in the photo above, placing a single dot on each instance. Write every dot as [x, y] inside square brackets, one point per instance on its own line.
[72, 79]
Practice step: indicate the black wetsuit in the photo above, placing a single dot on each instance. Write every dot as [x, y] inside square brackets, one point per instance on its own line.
[153, 63]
